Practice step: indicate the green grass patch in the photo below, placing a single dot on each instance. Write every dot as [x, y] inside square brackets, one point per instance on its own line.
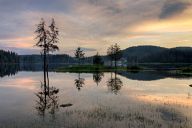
[186, 70]
[90, 68]
[134, 68]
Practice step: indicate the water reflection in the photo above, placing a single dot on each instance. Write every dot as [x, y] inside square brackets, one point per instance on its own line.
[39, 66]
[97, 77]
[144, 99]
[48, 97]
[114, 83]
[152, 75]
[12, 69]
[8, 69]
[79, 82]
[47, 100]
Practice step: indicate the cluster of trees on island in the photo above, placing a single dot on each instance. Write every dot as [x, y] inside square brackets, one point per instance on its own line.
[114, 53]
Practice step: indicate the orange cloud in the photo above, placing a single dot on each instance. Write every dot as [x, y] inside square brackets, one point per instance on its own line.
[19, 42]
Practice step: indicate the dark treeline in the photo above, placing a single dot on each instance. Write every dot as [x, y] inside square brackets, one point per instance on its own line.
[154, 54]
[59, 58]
[138, 54]
[8, 57]
[174, 55]
[62, 58]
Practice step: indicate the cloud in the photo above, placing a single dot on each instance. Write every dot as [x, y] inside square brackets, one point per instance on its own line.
[35, 5]
[109, 17]
[22, 51]
[88, 49]
[89, 23]
[171, 8]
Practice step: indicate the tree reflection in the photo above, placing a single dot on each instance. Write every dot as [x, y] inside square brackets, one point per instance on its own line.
[114, 83]
[47, 100]
[79, 82]
[8, 69]
[97, 77]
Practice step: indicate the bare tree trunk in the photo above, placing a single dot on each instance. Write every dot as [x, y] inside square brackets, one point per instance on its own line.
[79, 75]
[115, 61]
[111, 63]
[47, 70]
[44, 68]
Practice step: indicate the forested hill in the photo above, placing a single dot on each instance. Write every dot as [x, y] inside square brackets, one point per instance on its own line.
[8, 57]
[142, 51]
[60, 58]
[154, 54]
[139, 54]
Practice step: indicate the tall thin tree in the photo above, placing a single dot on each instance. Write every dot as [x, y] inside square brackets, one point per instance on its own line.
[47, 40]
[114, 53]
[110, 54]
[79, 54]
[117, 53]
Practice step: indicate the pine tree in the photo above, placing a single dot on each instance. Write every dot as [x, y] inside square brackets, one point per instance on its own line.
[79, 54]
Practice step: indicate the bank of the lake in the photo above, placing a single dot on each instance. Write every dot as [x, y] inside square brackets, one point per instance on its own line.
[182, 70]
[95, 68]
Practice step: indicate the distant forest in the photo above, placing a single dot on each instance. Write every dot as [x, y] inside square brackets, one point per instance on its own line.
[8, 57]
[137, 54]
[154, 54]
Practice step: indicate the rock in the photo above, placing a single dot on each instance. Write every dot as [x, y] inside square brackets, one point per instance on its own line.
[65, 105]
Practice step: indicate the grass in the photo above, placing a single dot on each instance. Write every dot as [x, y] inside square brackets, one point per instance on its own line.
[90, 68]
[134, 68]
[144, 116]
[185, 71]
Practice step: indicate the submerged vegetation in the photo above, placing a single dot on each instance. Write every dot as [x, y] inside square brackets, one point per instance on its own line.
[140, 116]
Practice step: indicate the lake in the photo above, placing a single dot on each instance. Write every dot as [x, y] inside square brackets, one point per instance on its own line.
[98, 100]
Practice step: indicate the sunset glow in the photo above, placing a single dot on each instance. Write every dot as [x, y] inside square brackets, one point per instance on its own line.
[90, 24]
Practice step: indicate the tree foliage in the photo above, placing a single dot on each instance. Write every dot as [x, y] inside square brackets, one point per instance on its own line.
[114, 53]
[97, 77]
[114, 83]
[47, 36]
[79, 82]
[79, 54]
[47, 40]
[97, 59]
[110, 53]
[8, 57]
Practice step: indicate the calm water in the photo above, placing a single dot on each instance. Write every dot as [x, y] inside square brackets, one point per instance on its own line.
[141, 99]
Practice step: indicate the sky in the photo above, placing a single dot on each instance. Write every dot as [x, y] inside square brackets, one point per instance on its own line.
[96, 24]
